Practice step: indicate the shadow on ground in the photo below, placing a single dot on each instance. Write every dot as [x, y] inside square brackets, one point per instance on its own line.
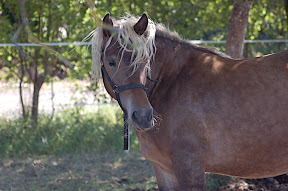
[114, 171]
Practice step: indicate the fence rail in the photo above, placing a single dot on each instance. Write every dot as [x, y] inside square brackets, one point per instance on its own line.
[87, 43]
[46, 44]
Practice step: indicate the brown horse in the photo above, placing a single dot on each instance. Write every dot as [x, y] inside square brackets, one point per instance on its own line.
[218, 115]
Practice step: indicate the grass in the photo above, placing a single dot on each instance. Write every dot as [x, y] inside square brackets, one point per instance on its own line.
[73, 130]
[111, 171]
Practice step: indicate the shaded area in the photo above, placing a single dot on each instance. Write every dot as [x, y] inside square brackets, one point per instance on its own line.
[278, 183]
[78, 172]
[113, 171]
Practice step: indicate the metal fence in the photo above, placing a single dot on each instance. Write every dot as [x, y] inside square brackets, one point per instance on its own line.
[65, 95]
[87, 43]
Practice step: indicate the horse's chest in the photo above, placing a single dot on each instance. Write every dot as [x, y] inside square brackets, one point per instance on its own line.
[153, 151]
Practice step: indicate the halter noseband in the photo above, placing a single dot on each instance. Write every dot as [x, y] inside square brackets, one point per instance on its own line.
[117, 89]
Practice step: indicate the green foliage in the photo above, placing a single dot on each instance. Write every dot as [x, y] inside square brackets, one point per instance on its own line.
[69, 21]
[50, 21]
[267, 20]
[42, 21]
[74, 130]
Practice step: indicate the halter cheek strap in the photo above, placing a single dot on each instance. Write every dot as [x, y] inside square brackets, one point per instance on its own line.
[117, 89]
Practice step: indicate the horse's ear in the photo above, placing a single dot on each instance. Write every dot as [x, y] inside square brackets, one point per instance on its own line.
[107, 25]
[141, 26]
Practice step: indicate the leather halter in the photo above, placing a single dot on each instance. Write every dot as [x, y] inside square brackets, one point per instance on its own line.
[117, 89]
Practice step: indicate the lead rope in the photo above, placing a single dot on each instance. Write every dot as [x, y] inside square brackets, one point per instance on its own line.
[126, 132]
[125, 122]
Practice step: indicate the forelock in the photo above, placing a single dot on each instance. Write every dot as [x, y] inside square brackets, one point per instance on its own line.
[141, 47]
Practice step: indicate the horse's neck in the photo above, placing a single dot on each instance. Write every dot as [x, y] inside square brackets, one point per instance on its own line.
[177, 61]
[170, 57]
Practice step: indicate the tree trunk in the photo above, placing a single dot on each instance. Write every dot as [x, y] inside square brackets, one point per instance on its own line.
[35, 102]
[237, 28]
[37, 84]
[24, 115]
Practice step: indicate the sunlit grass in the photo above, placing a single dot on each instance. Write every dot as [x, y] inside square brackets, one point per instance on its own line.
[74, 130]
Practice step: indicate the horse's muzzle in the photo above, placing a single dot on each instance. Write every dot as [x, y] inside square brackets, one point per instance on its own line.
[142, 118]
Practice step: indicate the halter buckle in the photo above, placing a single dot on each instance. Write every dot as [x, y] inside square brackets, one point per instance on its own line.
[114, 86]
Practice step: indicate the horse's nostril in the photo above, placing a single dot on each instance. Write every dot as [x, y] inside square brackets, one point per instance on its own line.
[143, 117]
[136, 117]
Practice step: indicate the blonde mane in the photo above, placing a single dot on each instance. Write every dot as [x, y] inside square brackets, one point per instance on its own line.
[142, 47]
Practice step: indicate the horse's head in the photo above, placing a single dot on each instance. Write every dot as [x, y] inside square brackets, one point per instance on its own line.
[124, 57]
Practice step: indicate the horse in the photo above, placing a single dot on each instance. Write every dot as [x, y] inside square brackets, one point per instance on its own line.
[205, 113]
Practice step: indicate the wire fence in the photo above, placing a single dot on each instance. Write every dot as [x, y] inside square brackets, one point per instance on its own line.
[87, 43]
[67, 96]
[44, 43]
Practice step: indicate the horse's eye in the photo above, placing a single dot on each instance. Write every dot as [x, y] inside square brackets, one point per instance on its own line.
[112, 63]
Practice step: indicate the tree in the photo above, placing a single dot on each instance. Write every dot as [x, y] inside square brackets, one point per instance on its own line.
[237, 28]
[40, 21]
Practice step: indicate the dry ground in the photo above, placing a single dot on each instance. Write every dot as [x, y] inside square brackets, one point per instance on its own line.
[96, 172]
[77, 172]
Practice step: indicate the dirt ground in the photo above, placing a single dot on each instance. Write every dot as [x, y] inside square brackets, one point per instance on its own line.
[78, 172]
[105, 172]
[279, 183]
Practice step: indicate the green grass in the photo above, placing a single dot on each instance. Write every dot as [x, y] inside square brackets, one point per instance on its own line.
[74, 130]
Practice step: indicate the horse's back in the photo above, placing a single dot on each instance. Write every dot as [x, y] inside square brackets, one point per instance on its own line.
[247, 123]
